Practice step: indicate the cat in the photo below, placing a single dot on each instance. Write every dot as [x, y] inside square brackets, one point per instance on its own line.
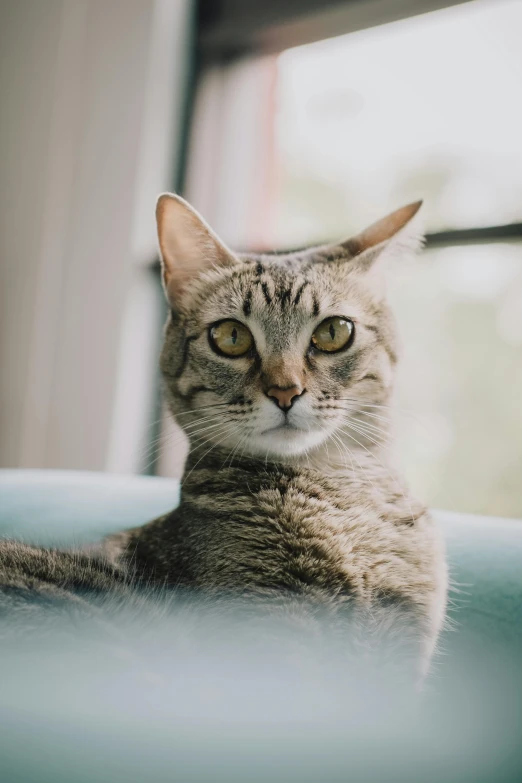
[279, 368]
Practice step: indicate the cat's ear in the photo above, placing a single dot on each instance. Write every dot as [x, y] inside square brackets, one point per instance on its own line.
[187, 244]
[391, 230]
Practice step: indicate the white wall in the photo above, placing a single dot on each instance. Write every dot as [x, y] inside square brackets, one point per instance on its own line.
[90, 99]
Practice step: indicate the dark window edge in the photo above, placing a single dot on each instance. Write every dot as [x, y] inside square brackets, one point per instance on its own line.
[230, 29]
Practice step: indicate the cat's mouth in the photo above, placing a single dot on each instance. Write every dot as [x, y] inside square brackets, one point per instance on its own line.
[286, 439]
[285, 426]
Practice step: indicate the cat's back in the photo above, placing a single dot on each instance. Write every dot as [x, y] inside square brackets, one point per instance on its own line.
[295, 528]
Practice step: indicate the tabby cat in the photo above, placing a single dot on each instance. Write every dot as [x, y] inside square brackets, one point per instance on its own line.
[279, 368]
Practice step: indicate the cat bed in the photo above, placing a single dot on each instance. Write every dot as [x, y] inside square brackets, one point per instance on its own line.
[65, 508]
[138, 735]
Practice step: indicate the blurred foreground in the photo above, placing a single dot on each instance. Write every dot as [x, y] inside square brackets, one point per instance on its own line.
[182, 695]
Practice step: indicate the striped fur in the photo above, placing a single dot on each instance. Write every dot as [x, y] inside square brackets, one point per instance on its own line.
[323, 514]
[294, 508]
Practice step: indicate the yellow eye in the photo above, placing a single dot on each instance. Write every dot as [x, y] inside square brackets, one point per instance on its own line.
[230, 338]
[333, 334]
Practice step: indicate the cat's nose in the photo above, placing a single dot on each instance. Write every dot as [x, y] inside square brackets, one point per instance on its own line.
[284, 397]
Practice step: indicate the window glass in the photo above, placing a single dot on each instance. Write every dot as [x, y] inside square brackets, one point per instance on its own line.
[458, 402]
[430, 108]
[427, 107]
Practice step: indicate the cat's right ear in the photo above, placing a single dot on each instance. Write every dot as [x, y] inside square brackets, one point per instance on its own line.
[188, 245]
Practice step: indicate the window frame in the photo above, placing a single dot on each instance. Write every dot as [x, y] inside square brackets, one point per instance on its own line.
[232, 36]
[230, 29]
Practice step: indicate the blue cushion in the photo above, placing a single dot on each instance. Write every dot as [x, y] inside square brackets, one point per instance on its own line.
[63, 508]
[98, 718]
[485, 559]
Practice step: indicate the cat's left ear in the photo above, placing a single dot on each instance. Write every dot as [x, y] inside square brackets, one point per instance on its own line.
[390, 232]
[188, 245]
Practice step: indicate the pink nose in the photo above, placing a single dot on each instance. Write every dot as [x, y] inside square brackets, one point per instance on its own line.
[284, 398]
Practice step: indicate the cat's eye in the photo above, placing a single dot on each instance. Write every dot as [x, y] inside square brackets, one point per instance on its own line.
[230, 338]
[333, 334]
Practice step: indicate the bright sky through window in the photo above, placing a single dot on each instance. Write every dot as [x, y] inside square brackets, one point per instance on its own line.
[427, 107]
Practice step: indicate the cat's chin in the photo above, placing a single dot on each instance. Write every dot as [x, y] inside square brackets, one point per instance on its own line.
[285, 441]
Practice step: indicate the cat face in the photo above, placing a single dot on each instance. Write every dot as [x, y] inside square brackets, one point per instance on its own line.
[271, 355]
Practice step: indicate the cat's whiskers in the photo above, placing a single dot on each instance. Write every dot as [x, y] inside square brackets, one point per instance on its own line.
[306, 452]
[363, 403]
[233, 451]
[368, 429]
[228, 432]
[343, 447]
[348, 452]
[196, 435]
[327, 450]
[243, 447]
[243, 451]
[154, 424]
[331, 434]
[231, 416]
[308, 459]
[387, 469]
[154, 451]
[230, 456]
[202, 408]
[431, 474]
[172, 439]
[146, 452]
[154, 447]
[364, 473]
[341, 450]
[200, 419]
[348, 428]
[392, 408]
[386, 419]
[206, 420]
[201, 440]
[360, 411]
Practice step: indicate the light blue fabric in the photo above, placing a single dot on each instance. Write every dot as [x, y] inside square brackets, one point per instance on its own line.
[188, 716]
[485, 559]
[63, 508]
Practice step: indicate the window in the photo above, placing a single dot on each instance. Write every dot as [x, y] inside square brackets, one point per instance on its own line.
[426, 108]
[422, 106]
[334, 134]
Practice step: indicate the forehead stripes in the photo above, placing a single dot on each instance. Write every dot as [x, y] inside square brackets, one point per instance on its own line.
[276, 289]
[266, 293]
[247, 303]
[299, 292]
